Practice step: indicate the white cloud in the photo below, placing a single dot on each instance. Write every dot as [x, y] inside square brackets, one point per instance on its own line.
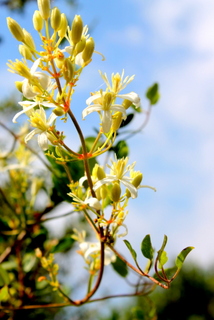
[180, 23]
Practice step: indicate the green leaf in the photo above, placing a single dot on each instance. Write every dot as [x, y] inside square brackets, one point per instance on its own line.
[163, 245]
[29, 262]
[153, 94]
[182, 256]
[4, 294]
[89, 141]
[64, 245]
[121, 149]
[162, 259]
[120, 267]
[4, 277]
[146, 247]
[133, 253]
[125, 122]
[161, 252]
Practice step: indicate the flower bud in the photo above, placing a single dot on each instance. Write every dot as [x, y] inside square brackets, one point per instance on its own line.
[137, 180]
[44, 8]
[117, 119]
[63, 26]
[60, 58]
[68, 70]
[115, 192]
[18, 85]
[38, 253]
[15, 29]
[89, 49]
[37, 21]
[28, 40]
[25, 52]
[126, 103]
[103, 192]
[55, 19]
[76, 29]
[100, 173]
[58, 111]
[128, 193]
[80, 45]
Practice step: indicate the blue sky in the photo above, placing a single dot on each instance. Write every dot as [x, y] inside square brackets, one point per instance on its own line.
[170, 42]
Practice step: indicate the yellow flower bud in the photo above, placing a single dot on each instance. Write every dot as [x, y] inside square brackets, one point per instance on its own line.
[60, 58]
[80, 45]
[137, 180]
[38, 253]
[15, 29]
[28, 40]
[89, 49]
[103, 192]
[126, 103]
[37, 21]
[25, 52]
[100, 173]
[115, 192]
[63, 26]
[117, 119]
[128, 193]
[18, 85]
[76, 29]
[44, 8]
[55, 19]
[58, 111]
[68, 70]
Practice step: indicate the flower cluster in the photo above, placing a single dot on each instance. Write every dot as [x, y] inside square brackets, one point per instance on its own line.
[50, 78]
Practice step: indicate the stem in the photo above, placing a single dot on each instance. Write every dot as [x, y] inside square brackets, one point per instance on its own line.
[97, 284]
[91, 222]
[143, 125]
[137, 270]
[90, 282]
[85, 160]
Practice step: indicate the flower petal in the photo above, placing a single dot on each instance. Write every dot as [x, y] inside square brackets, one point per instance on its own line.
[130, 187]
[92, 98]
[35, 66]
[24, 104]
[31, 134]
[90, 109]
[106, 121]
[43, 141]
[131, 96]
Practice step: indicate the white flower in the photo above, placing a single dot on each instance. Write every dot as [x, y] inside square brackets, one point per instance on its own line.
[118, 171]
[118, 84]
[92, 249]
[90, 201]
[29, 105]
[42, 125]
[104, 103]
[29, 89]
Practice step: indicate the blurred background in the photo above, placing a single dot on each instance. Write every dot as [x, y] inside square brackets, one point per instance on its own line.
[162, 41]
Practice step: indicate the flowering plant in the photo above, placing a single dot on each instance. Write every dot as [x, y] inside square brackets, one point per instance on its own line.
[48, 86]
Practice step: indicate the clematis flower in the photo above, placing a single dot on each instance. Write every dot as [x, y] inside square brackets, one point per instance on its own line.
[91, 250]
[29, 105]
[42, 125]
[118, 170]
[29, 88]
[118, 84]
[104, 103]
[89, 201]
